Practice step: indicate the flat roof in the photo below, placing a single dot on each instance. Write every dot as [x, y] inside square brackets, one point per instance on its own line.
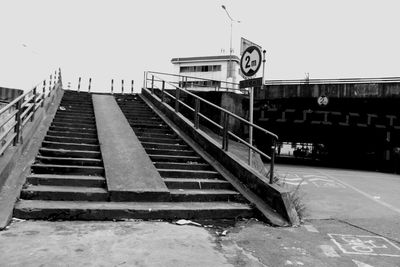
[205, 58]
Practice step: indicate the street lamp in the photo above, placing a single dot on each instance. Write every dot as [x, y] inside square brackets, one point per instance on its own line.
[230, 43]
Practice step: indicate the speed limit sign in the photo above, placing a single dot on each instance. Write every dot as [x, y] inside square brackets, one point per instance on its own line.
[251, 61]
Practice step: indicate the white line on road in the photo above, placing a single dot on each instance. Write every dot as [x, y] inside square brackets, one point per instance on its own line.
[387, 205]
[329, 251]
[361, 264]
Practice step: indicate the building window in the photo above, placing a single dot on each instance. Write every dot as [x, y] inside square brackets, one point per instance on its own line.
[204, 68]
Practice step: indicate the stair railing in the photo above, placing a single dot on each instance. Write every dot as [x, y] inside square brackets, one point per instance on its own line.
[22, 110]
[176, 103]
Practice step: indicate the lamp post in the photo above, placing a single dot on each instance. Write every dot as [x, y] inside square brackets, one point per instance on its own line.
[230, 42]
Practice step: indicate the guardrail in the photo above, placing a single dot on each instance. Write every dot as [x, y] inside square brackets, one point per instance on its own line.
[333, 81]
[158, 83]
[193, 83]
[22, 110]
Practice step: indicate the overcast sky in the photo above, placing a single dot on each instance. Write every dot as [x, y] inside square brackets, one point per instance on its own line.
[120, 39]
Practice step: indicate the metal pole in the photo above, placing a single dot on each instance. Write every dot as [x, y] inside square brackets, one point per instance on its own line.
[90, 82]
[122, 86]
[196, 113]
[17, 126]
[263, 71]
[177, 97]
[251, 91]
[271, 170]
[79, 84]
[112, 86]
[33, 104]
[132, 87]
[162, 91]
[44, 92]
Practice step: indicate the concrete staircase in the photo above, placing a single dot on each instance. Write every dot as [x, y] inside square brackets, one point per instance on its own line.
[67, 179]
[187, 176]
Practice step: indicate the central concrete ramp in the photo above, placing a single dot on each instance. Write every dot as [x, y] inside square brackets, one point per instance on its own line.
[130, 174]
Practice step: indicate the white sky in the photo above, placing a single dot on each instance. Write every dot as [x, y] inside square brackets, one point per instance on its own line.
[120, 39]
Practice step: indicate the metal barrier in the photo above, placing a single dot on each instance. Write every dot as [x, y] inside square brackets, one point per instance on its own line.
[194, 83]
[22, 110]
[334, 81]
[197, 115]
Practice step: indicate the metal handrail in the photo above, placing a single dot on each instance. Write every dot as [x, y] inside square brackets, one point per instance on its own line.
[334, 81]
[25, 106]
[186, 78]
[226, 114]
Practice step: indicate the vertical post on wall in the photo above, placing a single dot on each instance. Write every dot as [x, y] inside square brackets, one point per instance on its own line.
[79, 84]
[18, 124]
[132, 87]
[90, 83]
[152, 84]
[112, 86]
[162, 91]
[196, 113]
[33, 104]
[122, 86]
[50, 84]
[177, 97]
[44, 92]
[225, 136]
[251, 91]
[271, 169]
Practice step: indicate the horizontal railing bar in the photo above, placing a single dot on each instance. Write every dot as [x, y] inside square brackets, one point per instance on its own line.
[333, 81]
[8, 118]
[26, 110]
[7, 131]
[205, 86]
[7, 144]
[29, 99]
[248, 145]
[186, 106]
[26, 119]
[210, 120]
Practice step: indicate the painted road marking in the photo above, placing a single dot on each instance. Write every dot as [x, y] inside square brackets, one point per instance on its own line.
[329, 251]
[365, 245]
[387, 205]
[361, 264]
[311, 228]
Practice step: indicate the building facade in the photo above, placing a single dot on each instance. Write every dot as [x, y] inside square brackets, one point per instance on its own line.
[209, 73]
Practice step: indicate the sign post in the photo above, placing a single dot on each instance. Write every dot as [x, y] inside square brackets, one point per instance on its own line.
[250, 63]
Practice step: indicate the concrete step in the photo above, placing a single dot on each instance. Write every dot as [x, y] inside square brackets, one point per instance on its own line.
[66, 180]
[175, 158]
[69, 161]
[75, 113]
[205, 195]
[158, 136]
[153, 151]
[75, 140]
[172, 140]
[70, 146]
[90, 125]
[144, 120]
[73, 129]
[139, 130]
[183, 166]
[73, 120]
[148, 125]
[73, 116]
[72, 134]
[48, 152]
[82, 210]
[171, 173]
[186, 183]
[67, 169]
[165, 146]
[64, 193]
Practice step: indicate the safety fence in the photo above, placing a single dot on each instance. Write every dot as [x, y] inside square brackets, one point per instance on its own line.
[16, 115]
[177, 98]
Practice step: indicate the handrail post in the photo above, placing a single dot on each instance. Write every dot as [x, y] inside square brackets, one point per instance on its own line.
[132, 87]
[18, 124]
[271, 169]
[43, 91]
[122, 86]
[34, 104]
[51, 77]
[90, 83]
[196, 113]
[162, 91]
[79, 84]
[225, 130]
[112, 86]
[145, 80]
[152, 84]
[177, 97]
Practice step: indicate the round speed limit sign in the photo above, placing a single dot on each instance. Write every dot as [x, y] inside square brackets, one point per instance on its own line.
[251, 61]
